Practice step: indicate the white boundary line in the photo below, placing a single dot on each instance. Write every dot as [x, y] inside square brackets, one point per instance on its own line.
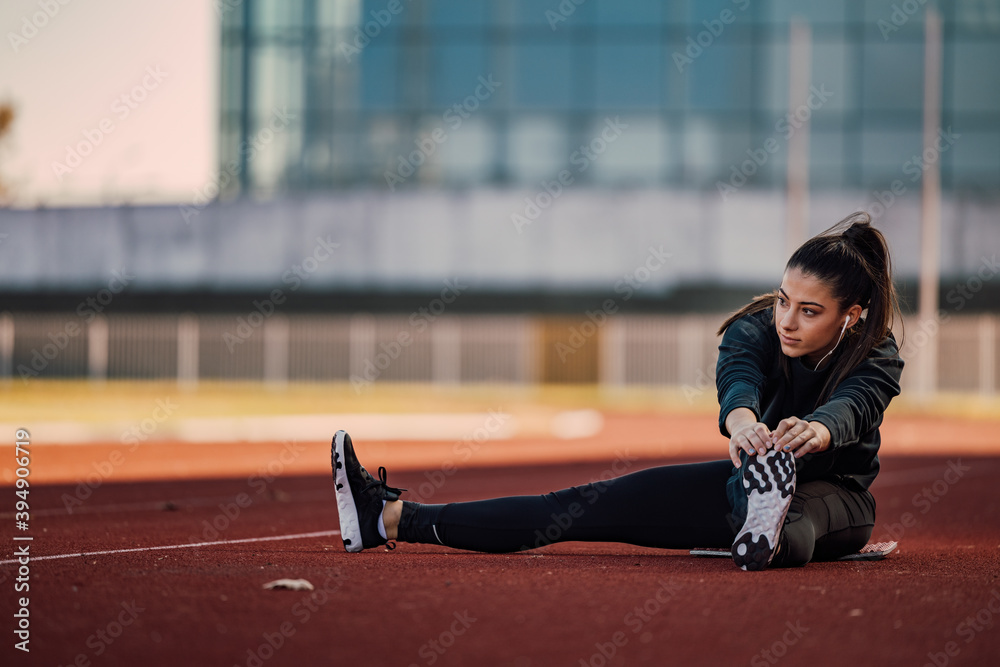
[322, 533]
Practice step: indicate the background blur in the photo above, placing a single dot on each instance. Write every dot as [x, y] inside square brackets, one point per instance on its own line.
[464, 191]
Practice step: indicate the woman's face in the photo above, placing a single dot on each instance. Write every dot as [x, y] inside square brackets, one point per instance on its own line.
[807, 317]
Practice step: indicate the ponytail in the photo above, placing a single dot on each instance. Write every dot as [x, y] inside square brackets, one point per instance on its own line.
[852, 259]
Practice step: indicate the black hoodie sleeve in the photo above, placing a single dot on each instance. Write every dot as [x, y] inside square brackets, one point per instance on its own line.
[857, 404]
[745, 357]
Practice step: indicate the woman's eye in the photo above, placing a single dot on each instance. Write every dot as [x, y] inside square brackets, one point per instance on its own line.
[809, 312]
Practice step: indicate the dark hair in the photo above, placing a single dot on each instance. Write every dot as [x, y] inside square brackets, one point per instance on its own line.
[852, 259]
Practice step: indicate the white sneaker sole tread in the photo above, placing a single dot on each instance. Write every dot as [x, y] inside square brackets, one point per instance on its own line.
[770, 483]
[350, 525]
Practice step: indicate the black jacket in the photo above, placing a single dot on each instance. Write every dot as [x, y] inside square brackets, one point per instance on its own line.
[748, 375]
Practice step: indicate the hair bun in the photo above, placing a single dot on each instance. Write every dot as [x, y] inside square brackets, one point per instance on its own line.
[855, 230]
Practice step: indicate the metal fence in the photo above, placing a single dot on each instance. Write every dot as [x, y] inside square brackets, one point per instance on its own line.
[624, 350]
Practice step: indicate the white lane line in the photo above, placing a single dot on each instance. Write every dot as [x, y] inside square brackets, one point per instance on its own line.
[178, 503]
[297, 536]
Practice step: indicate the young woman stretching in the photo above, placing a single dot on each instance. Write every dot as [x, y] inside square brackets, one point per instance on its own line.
[803, 381]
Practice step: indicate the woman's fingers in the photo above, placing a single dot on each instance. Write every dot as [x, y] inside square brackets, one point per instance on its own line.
[755, 439]
[734, 453]
[793, 435]
[760, 439]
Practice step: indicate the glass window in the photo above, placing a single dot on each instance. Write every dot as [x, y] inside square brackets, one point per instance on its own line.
[887, 155]
[277, 80]
[975, 160]
[385, 138]
[832, 62]
[629, 12]
[468, 156]
[231, 64]
[893, 76]
[826, 157]
[338, 14]
[878, 10]
[827, 11]
[628, 75]
[721, 78]
[635, 155]
[975, 77]
[978, 17]
[552, 14]
[537, 148]
[457, 12]
[712, 150]
[344, 159]
[710, 10]
[543, 75]
[455, 71]
[379, 75]
[272, 15]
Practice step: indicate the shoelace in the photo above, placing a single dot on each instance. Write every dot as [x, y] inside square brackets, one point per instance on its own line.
[382, 476]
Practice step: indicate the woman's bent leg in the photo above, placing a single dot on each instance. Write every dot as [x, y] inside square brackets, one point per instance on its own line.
[672, 507]
[825, 522]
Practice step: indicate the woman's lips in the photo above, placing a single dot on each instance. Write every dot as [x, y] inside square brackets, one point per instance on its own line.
[786, 340]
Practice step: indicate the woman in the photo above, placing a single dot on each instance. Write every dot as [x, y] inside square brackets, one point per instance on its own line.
[803, 381]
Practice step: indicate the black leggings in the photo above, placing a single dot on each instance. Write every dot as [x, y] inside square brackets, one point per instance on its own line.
[670, 507]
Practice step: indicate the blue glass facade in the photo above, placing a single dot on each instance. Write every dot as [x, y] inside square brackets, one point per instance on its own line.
[699, 83]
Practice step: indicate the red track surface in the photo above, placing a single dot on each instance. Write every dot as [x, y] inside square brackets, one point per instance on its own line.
[428, 605]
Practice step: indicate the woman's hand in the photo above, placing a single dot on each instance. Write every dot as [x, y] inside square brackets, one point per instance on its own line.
[800, 437]
[747, 434]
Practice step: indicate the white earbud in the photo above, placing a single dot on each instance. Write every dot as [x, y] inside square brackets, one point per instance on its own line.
[847, 320]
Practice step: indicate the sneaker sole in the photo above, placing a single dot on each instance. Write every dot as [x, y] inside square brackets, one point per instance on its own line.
[350, 526]
[770, 480]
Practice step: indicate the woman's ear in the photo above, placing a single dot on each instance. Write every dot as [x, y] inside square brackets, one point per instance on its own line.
[854, 312]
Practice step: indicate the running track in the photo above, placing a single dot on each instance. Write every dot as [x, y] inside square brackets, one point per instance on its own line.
[567, 604]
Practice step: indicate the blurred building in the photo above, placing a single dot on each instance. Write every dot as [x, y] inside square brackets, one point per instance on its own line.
[700, 85]
[485, 178]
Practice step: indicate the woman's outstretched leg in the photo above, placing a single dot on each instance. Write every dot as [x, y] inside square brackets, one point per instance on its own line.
[673, 507]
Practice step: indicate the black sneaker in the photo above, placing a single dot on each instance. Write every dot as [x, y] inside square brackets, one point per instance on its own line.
[359, 496]
[770, 482]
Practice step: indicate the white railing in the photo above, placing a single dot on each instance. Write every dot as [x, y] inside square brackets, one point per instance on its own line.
[657, 350]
